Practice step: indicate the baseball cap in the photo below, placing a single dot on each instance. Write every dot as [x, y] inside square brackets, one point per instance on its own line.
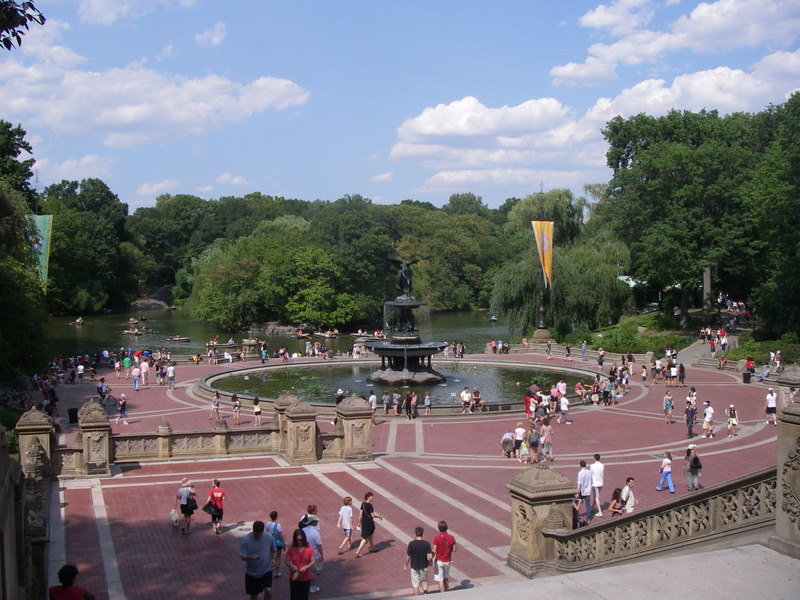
[692, 446]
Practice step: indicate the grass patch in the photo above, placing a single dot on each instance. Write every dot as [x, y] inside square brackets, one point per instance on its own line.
[789, 345]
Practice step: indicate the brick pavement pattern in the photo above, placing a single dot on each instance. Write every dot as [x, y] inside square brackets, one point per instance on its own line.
[445, 467]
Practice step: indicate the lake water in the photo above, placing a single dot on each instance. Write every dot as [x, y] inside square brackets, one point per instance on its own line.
[471, 328]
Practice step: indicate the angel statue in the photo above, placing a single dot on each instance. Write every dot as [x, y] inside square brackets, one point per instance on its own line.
[404, 279]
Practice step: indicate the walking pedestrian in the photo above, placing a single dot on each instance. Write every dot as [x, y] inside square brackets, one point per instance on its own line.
[258, 552]
[444, 545]
[299, 561]
[584, 484]
[345, 523]
[187, 502]
[136, 373]
[215, 498]
[546, 439]
[597, 469]
[666, 473]
[772, 407]
[122, 404]
[692, 466]
[668, 408]
[418, 554]
[690, 413]
[427, 402]
[583, 350]
[310, 526]
[733, 421]
[276, 531]
[708, 419]
[367, 518]
[171, 376]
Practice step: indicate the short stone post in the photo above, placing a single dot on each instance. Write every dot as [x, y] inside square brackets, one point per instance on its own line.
[787, 502]
[36, 425]
[95, 438]
[301, 434]
[280, 405]
[540, 499]
[355, 417]
[164, 432]
[221, 437]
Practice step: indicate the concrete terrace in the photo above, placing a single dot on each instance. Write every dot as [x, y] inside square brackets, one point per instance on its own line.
[116, 529]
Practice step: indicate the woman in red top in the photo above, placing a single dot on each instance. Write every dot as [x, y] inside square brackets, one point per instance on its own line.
[215, 497]
[299, 560]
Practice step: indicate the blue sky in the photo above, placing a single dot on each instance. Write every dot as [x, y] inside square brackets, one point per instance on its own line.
[391, 100]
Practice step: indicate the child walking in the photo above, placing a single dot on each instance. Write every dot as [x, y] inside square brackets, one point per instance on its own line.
[345, 523]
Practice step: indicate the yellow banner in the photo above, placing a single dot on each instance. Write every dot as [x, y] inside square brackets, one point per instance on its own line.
[543, 232]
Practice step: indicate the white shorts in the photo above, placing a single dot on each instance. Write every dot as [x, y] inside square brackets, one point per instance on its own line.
[441, 570]
[418, 576]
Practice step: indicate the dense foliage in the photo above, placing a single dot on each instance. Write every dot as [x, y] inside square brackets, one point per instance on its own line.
[689, 191]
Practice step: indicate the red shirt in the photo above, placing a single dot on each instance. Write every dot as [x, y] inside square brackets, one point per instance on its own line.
[300, 557]
[444, 544]
[217, 495]
[59, 592]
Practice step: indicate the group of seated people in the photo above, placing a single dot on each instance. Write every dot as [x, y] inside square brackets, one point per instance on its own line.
[471, 401]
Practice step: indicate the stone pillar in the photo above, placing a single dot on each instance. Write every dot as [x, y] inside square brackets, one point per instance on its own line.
[301, 434]
[36, 509]
[355, 418]
[787, 502]
[164, 432]
[13, 566]
[280, 405]
[221, 437]
[95, 438]
[540, 499]
[36, 425]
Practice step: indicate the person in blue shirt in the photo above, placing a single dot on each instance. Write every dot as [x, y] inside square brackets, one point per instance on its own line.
[258, 552]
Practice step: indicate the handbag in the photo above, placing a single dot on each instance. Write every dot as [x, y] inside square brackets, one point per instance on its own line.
[191, 503]
[207, 507]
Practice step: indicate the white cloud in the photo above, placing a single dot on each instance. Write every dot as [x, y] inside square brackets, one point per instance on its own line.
[590, 72]
[231, 179]
[89, 165]
[40, 44]
[382, 177]
[204, 188]
[711, 27]
[213, 36]
[108, 12]
[569, 149]
[468, 117]
[154, 189]
[131, 105]
[620, 17]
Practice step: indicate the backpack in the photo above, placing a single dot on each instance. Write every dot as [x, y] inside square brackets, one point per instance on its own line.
[533, 440]
[695, 463]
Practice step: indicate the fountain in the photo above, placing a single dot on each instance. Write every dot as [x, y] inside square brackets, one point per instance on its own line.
[405, 358]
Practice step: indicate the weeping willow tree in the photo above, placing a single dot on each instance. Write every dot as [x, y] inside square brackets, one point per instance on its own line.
[586, 292]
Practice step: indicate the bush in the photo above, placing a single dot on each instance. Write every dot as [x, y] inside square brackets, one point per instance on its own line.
[9, 420]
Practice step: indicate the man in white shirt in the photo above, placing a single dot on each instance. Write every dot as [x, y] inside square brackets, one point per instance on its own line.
[171, 376]
[772, 407]
[708, 420]
[311, 529]
[373, 404]
[466, 400]
[597, 470]
[627, 497]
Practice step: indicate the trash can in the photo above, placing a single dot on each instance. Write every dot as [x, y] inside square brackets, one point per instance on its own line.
[73, 414]
[746, 377]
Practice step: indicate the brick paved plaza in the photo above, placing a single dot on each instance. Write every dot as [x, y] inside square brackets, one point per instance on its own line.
[446, 467]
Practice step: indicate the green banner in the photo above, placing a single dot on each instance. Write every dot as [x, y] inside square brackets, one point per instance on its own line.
[41, 243]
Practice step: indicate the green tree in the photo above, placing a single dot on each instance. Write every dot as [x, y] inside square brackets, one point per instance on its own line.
[17, 173]
[466, 204]
[559, 206]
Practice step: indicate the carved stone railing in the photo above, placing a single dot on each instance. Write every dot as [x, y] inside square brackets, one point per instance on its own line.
[726, 509]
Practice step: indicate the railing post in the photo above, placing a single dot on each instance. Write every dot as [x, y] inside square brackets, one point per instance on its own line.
[36, 425]
[301, 434]
[787, 510]
[95, 438]
[164, 439]
[355, 417]
[540, 499]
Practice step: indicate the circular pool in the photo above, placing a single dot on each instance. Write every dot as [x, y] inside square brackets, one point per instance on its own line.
[499, 383]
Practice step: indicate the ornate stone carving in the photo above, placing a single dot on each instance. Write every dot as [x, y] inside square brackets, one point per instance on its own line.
[790, 484]
[522, 523]
[92, 413]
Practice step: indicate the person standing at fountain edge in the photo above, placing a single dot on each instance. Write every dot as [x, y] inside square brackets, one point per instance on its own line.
[258, 552]
[691, 413]
[583, 350]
